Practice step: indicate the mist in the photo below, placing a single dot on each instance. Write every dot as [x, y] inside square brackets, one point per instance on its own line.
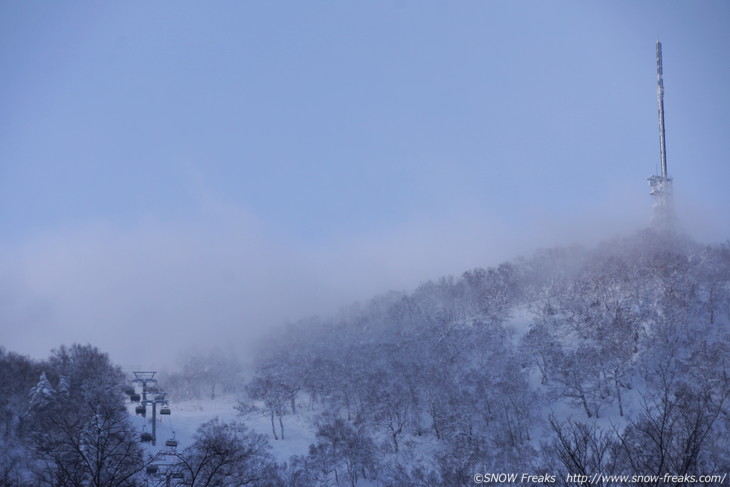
[147, 292]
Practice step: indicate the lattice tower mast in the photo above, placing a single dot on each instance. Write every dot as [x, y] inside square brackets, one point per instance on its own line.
[661, 184]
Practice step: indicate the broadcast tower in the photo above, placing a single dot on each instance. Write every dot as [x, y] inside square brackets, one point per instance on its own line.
[661, 184]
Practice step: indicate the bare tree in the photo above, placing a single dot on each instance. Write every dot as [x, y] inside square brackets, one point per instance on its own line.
[674, 431]
[80, 429]
[584, 449]
[274, 398]
[225, 455]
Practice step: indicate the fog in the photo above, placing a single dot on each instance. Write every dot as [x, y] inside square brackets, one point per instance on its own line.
[147, 293]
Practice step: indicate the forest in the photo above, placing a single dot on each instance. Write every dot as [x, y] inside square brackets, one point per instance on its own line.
[571, 362]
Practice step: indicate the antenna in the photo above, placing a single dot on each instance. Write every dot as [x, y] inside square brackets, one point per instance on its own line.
[660, 103]
[661, 184]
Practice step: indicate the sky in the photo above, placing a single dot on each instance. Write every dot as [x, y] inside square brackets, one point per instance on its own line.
[191, 174]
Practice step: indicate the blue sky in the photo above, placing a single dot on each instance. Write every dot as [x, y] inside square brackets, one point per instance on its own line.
[158, 158]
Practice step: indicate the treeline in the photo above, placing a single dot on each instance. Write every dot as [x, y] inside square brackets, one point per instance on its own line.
[611, 360]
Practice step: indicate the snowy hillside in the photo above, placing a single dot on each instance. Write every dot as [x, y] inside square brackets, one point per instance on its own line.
[188, 415]
[607, 361]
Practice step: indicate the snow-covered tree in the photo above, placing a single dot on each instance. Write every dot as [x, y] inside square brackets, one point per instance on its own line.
[42, 394]
[226, 454]
[343, 451]
[83, 437]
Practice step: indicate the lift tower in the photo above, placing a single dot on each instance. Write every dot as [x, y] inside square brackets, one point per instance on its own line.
[661, 184]
[151, 395]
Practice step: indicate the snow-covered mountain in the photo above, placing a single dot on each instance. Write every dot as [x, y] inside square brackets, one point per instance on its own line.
[611, 361]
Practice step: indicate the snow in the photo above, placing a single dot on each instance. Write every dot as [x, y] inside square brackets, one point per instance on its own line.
[187, 416]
